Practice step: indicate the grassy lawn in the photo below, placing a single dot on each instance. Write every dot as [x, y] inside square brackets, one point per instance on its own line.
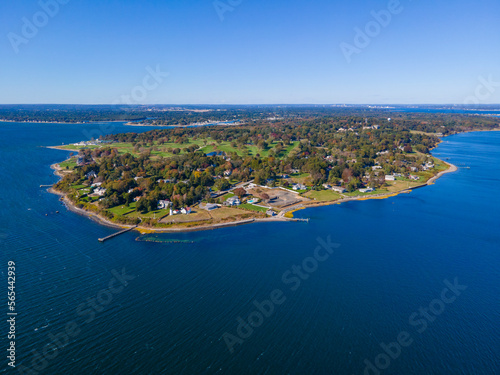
[78, 187]
[205, 145]
[122, 210]
[440, 165]
[398, 185]
[360, 194]
[226, 196]
[69, 164]
[323, 195]
[299, 178]
[195, 215]
[420, 132]
[156, 214]
[226, 212]
[251, 207]
[89, 199]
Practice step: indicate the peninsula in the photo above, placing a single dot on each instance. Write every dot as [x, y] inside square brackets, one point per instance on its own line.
[182, 179]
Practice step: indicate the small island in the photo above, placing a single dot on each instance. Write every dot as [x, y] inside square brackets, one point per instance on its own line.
[197, 178]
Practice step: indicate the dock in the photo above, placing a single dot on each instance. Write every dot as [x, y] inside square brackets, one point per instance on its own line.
[300, 219]
[116, 234]
[45, 186]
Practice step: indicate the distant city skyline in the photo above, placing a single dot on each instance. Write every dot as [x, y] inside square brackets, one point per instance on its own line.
[249, 52]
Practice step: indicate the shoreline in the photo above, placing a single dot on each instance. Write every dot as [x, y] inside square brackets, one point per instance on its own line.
[279, 218]
[62, 122]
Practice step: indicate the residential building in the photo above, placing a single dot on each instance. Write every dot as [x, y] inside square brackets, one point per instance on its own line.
[367, 190]
[339, 189]
[164, 204]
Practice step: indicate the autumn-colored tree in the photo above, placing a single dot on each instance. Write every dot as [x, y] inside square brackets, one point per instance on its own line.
[240, 192]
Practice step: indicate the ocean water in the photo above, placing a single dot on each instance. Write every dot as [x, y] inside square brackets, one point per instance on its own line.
[182, 295]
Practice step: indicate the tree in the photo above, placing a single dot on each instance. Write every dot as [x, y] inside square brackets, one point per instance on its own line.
[141, 206]
[347, 175]
[222, 184]
[240, 192]
[265, 196]
[407, 148]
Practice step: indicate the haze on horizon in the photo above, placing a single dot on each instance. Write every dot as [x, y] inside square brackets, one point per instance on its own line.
[249, 52]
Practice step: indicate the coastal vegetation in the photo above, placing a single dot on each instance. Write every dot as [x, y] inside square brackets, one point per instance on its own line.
[188, 177]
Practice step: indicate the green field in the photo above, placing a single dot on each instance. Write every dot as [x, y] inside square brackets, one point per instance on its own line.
[204, 145]
[323, 195]
[69, 164]
[122, 210]
[251, 207]
[360, 194]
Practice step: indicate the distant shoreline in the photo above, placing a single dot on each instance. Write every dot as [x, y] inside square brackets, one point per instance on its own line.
[62, 122]
[125, 123]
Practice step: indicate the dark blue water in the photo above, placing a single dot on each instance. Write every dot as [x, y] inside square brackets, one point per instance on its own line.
[393, 257]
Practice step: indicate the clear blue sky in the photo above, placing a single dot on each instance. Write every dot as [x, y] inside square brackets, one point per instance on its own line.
[263, 52]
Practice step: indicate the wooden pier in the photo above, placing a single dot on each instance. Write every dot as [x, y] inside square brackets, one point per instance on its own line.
[300, 219]
[116, 234]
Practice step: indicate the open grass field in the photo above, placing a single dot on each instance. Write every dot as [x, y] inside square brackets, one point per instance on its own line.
[420, 132]
[360, 194]
[251, 207]
[226, 213]
[69, 164]
[398, 185]
[323, 195]
[122, 210]
[156, 214]
[300, 178]
[195, 215]
[205, 145]
[226, 196]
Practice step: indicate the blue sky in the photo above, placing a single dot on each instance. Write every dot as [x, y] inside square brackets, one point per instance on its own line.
[262, 52]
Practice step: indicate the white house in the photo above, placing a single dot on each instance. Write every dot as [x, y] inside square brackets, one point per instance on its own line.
[164, 204]
[233, 201]
[91, 174]
[427, 166]
[339, 189]
[367, 190]
[390, 177]
[100, 191]
[186, 210]
[326, 186]
[299, 187]
[210, 206]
